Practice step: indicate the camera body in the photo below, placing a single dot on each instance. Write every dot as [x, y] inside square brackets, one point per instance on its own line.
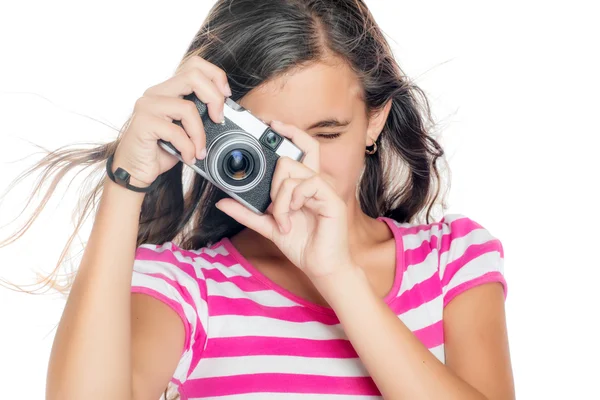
[241, 154]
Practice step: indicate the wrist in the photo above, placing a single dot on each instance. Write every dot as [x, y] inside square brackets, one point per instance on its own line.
[117, 163]
[336, 287]
[136, 182]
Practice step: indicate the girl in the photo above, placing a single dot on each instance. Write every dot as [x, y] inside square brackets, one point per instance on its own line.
[336, 292]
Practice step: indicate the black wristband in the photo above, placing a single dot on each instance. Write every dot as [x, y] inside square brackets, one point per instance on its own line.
[121, 177]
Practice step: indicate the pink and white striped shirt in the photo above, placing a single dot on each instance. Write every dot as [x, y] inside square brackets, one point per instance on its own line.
[248, 338]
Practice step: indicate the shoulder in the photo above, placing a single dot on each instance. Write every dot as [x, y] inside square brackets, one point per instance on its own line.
[171, 256]
[453, 232]
[469, 256]
[461, 250]
[175, 277]
[461, 234]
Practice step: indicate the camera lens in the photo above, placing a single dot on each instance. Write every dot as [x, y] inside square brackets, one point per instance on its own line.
[238, 164]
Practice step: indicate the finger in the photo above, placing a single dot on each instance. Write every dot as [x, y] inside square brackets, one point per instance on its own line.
[281, 204]
[306, 143]
[193, 80]
[270, 209]
[315, 194]
[214, 73]
[263, 224]
[288, 168]
[161, 129]
[173, 108]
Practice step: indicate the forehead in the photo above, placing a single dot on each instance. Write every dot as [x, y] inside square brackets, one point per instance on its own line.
[315, 92]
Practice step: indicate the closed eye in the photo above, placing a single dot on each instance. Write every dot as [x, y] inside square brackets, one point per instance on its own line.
[329, 136]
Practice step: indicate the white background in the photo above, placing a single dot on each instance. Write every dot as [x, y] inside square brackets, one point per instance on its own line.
[514, 84]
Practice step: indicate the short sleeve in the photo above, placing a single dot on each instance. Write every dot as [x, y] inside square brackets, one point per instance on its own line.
[170, 275]
[469, 255]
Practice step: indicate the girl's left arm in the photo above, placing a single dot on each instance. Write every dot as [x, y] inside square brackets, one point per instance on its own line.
[477, 364]
[309, 225]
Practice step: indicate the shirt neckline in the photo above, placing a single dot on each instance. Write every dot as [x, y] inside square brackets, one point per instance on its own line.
[389, 297]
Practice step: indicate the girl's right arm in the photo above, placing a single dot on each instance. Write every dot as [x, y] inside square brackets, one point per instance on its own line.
[110, 343]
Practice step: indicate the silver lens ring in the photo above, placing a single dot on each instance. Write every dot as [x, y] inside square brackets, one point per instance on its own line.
[227, 142]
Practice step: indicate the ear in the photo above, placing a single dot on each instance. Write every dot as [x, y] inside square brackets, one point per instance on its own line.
[377, 122]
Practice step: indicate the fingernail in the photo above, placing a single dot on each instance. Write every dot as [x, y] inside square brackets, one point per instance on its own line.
[222, 115]
[194, 161]
[218, 205]
[228, 90]
[275, 122]
[202, 154]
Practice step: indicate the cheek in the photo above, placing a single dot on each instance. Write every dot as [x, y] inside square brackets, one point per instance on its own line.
[342, 162]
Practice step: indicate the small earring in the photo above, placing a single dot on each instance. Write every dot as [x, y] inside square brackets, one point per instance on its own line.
[374, 148]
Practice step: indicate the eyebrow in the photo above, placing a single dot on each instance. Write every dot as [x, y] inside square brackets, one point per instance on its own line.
[329, 123]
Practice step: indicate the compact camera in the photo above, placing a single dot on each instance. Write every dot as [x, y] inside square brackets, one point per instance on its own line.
[241, 154]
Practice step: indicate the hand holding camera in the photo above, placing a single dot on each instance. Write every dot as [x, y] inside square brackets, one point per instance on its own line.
[220, 140]
[153, 117]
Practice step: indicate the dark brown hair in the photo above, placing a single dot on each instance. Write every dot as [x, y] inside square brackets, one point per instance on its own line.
[254, 41]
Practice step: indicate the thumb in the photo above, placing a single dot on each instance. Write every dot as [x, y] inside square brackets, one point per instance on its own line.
[263, 224]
